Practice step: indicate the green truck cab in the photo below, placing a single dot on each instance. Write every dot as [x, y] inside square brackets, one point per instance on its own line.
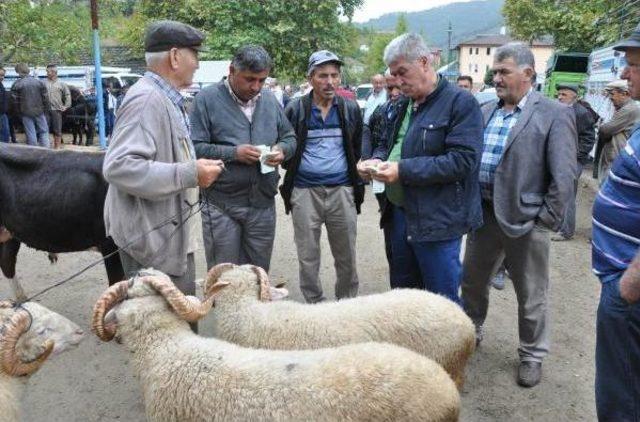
[565, 68]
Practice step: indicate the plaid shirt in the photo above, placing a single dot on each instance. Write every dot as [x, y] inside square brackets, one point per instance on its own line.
[173, 94]
[495, 138]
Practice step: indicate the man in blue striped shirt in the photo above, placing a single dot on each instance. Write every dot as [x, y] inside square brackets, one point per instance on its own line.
[616, 261]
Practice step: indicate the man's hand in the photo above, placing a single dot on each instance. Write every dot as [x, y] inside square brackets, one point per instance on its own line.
[630, 282]
[364, 168]
[387, 173]
[208, 171]
[247, 154]
[275, 157]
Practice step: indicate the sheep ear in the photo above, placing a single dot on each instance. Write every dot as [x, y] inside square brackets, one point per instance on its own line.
[278, 293]
[216, 288]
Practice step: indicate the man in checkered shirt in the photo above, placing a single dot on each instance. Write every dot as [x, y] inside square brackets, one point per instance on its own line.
[527, 175]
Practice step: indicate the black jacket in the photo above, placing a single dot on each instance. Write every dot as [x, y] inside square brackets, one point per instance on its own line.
[586, 132]
[298, 112]
[4, 100]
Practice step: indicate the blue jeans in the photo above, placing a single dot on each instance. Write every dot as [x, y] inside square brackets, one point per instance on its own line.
[5, 133]
[37, 130]
[434, 266]
[617, 357]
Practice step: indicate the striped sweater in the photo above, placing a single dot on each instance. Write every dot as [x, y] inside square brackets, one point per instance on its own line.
[616, 214]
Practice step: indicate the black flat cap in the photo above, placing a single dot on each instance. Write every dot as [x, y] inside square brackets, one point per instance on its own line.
[165, 35]
[632, 42]
[571, 87]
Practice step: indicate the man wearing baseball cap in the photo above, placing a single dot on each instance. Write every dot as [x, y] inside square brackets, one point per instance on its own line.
[613, 134]
[151, 165]
[616, 262]
[322, 185]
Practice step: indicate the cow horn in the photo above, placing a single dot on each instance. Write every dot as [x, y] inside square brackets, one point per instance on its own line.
[110, 298]
[11, 363]
[263, 280]
[213, 275]
[188, 308]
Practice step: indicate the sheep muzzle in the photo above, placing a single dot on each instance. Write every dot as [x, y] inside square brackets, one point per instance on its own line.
[19, 324]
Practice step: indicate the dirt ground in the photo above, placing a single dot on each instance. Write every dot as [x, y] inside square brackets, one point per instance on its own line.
[95, 382]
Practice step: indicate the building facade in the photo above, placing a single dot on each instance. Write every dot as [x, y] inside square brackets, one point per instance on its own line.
[475, 56]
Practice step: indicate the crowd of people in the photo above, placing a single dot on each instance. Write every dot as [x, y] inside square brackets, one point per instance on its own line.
[503, 174]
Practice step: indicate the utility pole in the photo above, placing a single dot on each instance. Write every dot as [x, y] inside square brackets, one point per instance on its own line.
[449, 32]
[98, 73]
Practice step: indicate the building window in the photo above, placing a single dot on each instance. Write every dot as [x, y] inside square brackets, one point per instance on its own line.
[475, 68]
[488, 51]
[477, 50]
[487, 69]
[470, 50]
[470, 67]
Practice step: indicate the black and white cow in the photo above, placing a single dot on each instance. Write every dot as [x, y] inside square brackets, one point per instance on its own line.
[52, 201]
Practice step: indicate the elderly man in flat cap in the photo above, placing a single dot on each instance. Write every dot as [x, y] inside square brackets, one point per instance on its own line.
[321, 186]
[616, 262]
[150, 165]
[585, 123]
[613, 135]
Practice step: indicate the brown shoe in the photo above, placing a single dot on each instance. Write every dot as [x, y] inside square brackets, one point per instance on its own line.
[529, 373]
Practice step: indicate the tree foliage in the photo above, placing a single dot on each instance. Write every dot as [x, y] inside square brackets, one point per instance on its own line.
[290, 31]
[576, 25]
[43, 32]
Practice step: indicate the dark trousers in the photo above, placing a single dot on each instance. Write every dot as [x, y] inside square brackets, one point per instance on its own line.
[434, 266]
[617, 357]
[5, 132]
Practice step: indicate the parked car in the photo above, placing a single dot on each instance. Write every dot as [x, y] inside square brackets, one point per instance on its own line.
[485, 96]
[362, 93]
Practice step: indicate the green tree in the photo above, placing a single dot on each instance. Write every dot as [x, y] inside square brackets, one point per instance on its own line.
[43, 32]
[290, 31]
[374, 62]
[402, 26]
[576, 25]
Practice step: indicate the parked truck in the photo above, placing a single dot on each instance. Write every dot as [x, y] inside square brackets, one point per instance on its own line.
[565, 68]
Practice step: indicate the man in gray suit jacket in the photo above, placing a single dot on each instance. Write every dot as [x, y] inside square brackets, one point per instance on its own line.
[527, 173]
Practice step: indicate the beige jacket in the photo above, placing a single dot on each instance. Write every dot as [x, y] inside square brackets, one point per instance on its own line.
[150, 168]
[59, 95]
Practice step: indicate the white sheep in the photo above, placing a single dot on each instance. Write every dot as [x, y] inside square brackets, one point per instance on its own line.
[418, 320]
[29, 334]
[188, 378]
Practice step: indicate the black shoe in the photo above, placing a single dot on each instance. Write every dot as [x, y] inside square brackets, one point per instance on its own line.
[529, 373]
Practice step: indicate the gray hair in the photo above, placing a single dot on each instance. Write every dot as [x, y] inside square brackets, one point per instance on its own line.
[252, 58]
[519, 52]
[409, 47]
[155, 57]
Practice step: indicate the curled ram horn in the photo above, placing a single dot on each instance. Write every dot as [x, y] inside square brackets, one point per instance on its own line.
[110, 298]
[213, 276]
[13, 329]
[263, 281]
[188, 308]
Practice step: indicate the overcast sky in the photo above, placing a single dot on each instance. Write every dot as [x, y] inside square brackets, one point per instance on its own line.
[375, 8]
